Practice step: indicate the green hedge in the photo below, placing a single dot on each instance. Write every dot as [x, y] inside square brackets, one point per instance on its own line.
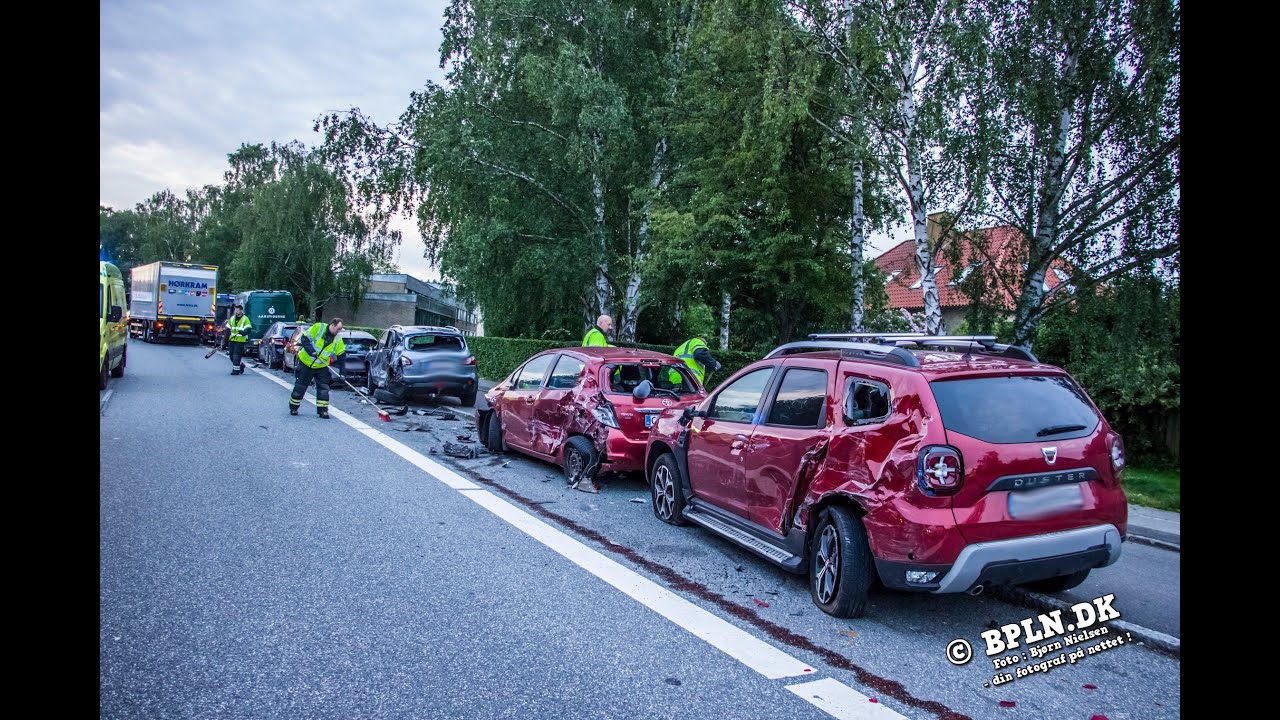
[496, 357]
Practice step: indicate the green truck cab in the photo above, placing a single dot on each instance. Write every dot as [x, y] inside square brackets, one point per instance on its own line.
[113, 334]
[263, 308]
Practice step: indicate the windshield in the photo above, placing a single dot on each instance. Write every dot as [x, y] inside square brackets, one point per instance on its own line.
[359, 344]
[427, 341]
[666, 378]
[1020, 409]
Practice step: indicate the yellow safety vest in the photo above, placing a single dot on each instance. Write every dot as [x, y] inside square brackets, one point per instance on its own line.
[239, 328]
[685, 353]
[327, 353]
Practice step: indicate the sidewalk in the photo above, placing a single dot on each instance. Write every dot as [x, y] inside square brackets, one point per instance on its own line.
[1161, 527]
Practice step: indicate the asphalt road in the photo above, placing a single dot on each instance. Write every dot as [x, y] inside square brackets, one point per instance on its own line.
[259, 565]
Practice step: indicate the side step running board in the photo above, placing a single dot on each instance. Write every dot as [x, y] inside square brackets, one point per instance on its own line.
[763, 548]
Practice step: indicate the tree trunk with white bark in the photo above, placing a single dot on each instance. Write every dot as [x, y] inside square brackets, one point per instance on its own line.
[1026, 317]
[726, 304]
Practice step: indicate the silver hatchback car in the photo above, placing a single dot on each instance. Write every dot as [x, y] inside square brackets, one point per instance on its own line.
[423, 360]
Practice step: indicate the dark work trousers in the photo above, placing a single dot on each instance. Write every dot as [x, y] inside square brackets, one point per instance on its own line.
[237, 354]
[304, 377]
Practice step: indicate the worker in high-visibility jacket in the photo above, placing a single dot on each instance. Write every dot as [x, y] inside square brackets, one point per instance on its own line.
[318, 347]
[238, 334]
[595, 337]
[697, 356]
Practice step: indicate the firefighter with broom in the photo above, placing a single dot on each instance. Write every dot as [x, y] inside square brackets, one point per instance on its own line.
[318, 347]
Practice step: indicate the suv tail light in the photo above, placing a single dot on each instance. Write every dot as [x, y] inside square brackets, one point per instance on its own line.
[471, 360]
[941, 470]
[1117, 457]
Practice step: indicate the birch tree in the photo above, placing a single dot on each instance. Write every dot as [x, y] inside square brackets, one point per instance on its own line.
[1088, 166]
[901, 61]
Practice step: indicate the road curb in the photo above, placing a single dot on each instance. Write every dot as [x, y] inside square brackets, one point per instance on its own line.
[1153, 542]
[1153, 639]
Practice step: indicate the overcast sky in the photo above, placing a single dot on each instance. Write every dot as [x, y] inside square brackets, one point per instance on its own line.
[183, 84]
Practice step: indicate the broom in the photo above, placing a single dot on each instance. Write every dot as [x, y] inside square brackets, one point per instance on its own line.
[383, 415]
[222, 338]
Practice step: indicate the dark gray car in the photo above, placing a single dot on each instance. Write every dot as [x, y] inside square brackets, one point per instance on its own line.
[423, 360]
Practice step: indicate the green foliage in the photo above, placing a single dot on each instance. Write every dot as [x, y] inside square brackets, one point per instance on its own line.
[300, 233]
[1154, 488]
[699, 320]
[1123, 345]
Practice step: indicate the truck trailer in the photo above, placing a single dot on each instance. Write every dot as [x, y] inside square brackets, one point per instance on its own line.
[172, 301]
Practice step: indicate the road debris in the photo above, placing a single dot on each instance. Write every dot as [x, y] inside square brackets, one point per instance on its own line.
[760, 602]
[459, 451]
[640, 501]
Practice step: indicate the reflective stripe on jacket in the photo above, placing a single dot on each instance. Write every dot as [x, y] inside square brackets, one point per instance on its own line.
[326, 352]
[239, 328]
[685, 352]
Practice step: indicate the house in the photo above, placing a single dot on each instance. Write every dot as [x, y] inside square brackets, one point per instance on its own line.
[1005, 247]
[398, 299]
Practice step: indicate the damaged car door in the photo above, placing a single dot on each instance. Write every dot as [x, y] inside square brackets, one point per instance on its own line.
[554, 409]
[517, 406]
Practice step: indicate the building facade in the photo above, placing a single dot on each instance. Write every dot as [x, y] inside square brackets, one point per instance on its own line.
[399, 299]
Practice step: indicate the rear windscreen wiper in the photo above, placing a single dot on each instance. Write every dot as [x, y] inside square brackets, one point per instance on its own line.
[1058, 429]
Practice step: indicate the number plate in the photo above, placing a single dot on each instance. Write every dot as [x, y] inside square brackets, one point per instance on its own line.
[648, 421]
[184, 327]
[1045, 502]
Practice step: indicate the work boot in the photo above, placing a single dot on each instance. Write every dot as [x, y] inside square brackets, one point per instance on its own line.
[241, 367]
[293, 410]
[324, 414]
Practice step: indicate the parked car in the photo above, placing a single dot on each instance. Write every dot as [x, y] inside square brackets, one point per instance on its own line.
[588, 409]
[423, 360]
[354, 362]
[271, 346]
[289, 358]
[933, 470]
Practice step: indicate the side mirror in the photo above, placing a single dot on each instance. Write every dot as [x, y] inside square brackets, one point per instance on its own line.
[642, 390]
[690, 412]
[116, 313]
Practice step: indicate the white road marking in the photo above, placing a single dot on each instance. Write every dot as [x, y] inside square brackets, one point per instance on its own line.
[729, 639]
[841, 701]
[102, 401]
[830, 695]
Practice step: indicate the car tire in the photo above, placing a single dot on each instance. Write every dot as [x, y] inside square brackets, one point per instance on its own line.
[146, 334]
[482, 428]
[581, 461]
[119, 371]
[494, 434]
[840, 569]
[102, 379]
[1057, 584]
[664, 488]
[468, 400]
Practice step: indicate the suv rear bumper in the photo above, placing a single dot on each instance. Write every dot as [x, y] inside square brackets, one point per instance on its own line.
[1014, 561]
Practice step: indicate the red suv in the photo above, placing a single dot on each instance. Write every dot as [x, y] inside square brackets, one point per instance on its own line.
[944, 469]
[586, 408]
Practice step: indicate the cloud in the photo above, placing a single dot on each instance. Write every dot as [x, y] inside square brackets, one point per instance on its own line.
[184, 84]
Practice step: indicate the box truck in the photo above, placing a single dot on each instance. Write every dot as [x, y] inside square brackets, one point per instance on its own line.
[172, 300]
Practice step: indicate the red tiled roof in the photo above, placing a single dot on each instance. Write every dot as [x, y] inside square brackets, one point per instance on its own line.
[1005, 246]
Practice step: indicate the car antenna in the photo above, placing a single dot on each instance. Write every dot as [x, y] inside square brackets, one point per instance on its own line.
[968, 349]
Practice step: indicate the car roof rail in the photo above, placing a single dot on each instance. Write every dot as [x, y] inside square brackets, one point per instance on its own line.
[863, 351]
[985, 344]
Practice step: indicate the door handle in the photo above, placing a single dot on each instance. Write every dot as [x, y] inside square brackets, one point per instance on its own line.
[528, 398]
